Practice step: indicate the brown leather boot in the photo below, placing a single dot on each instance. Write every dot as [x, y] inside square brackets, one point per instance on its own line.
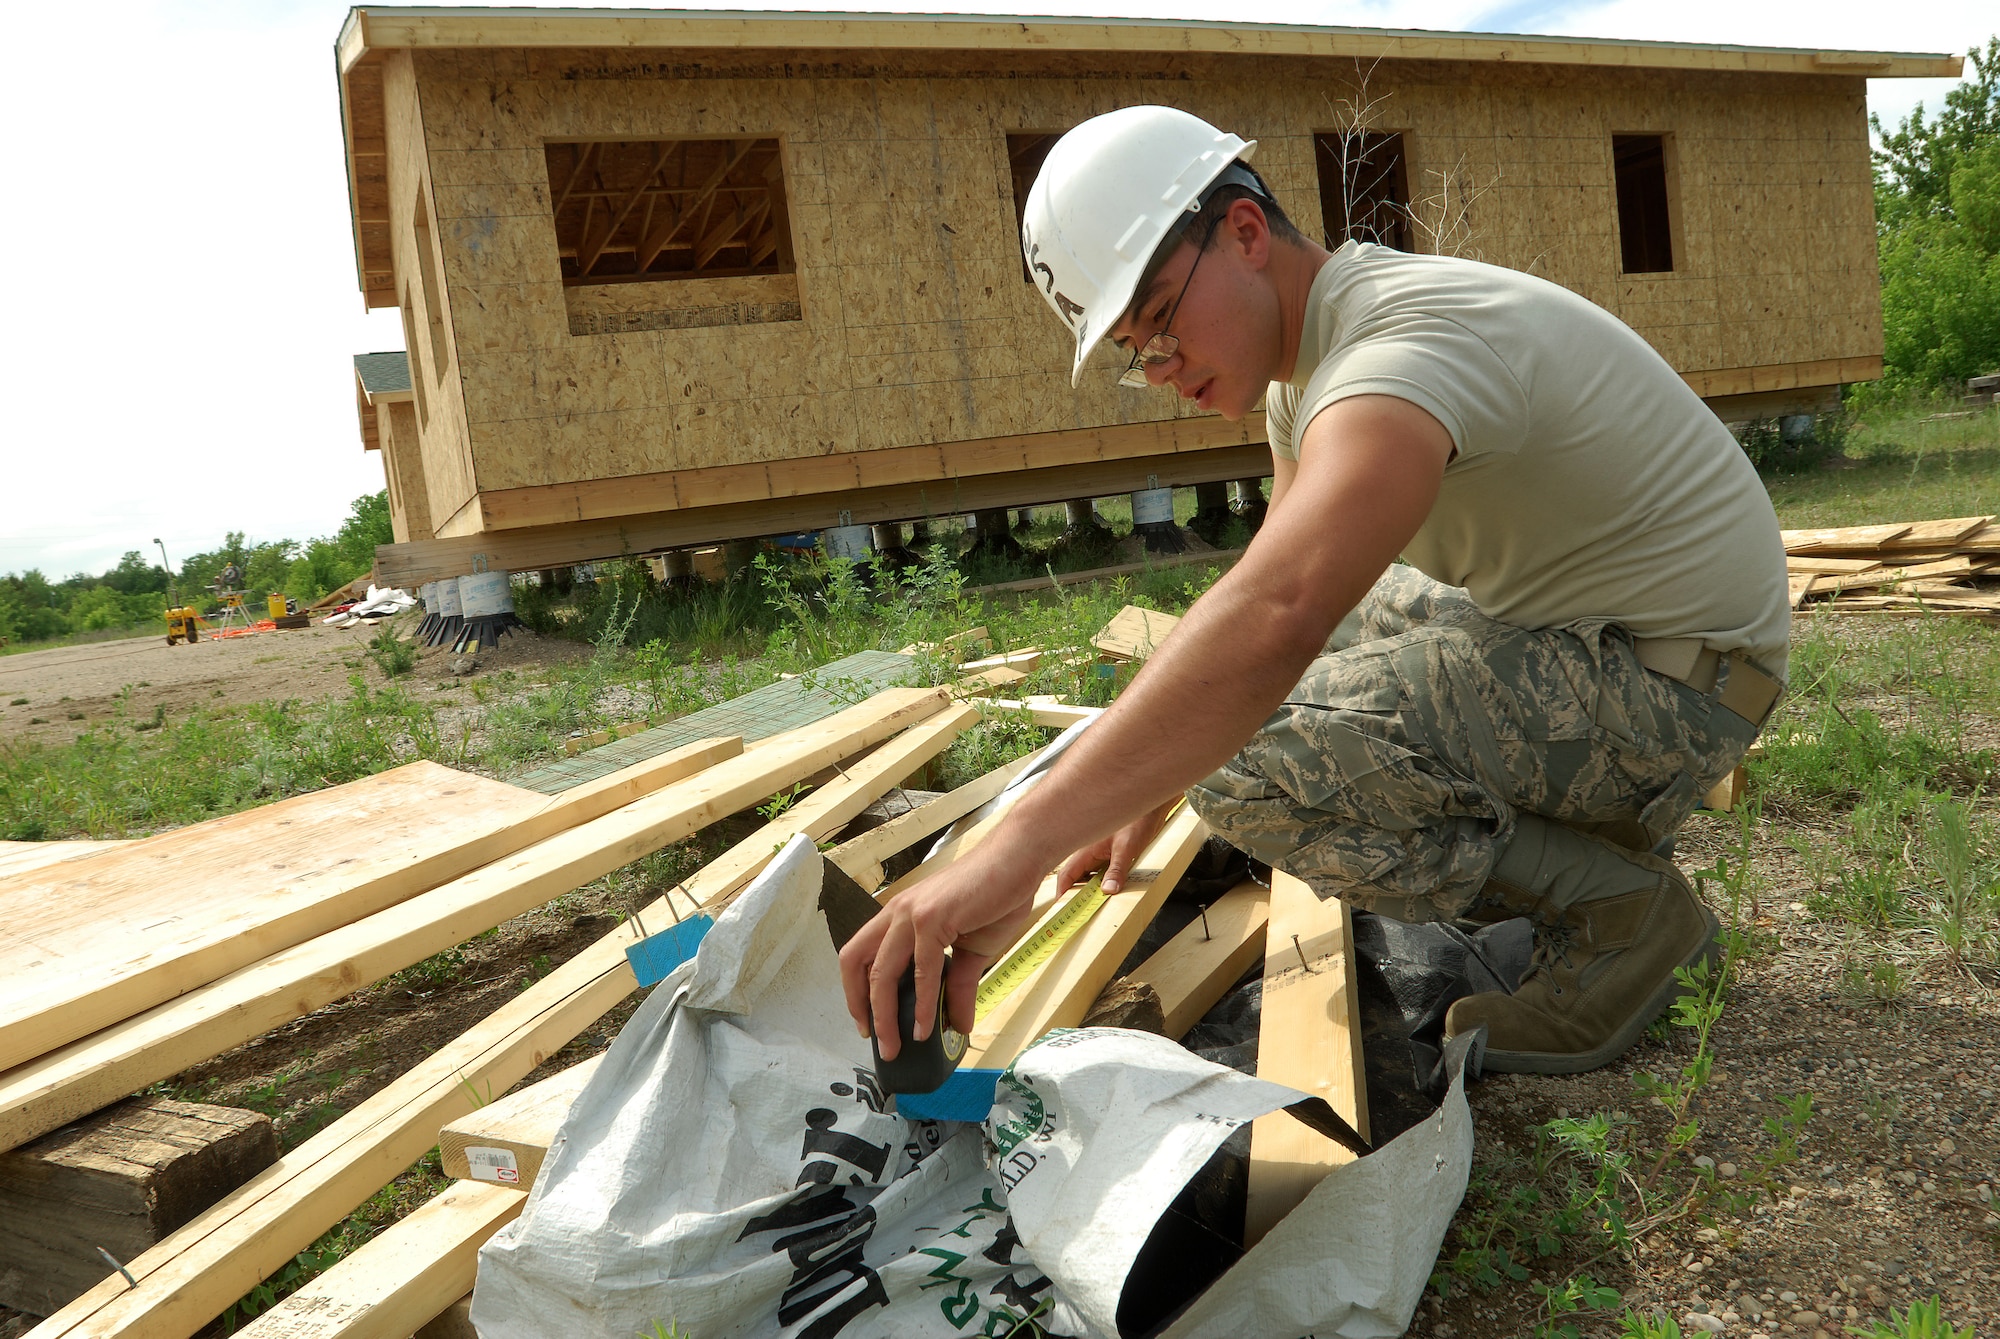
[1611, 925]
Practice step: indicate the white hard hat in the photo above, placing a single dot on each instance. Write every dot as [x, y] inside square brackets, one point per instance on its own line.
[1107, 195]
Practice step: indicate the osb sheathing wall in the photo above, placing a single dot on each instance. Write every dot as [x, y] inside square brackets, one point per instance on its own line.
[447, 462]
[403, 468]
[916, 324]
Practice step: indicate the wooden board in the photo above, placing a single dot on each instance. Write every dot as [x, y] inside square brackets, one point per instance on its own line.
[1944, 533]
[511, 1136]
[1813, 566]
[1193, 971]
[83, 1075]
[1062, 991]
[402, 1277]
[860, 858]
[125, 944]
[1841, 538]
[189, 1278]
[1309, 1038]
[86, 943]
[119, 1181]
[20, 857]
[1134, 633]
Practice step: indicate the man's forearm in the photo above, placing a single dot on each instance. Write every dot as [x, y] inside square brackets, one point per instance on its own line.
[1227, 667]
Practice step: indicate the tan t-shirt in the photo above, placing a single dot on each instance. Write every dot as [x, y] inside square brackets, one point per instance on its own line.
[1589, 481]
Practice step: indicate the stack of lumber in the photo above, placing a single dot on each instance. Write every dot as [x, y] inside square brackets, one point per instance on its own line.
[1906, 567]
[414, 1275]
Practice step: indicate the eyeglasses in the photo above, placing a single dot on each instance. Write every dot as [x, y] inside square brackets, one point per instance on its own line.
[1163, 346]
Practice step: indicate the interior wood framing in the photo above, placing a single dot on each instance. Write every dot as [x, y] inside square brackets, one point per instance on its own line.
[483, 146]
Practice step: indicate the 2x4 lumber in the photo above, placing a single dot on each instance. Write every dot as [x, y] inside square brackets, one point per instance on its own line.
[1308, 1038]
[377, 30]
[646, 525]
[1055, 715]
[522, 1125]
[1193, 971]
[402, 1277]
[87, 943]
[1061, 992]
[538, 819]
[79, 1078]
[188, 1279]
[860, 858]
[1223, 558]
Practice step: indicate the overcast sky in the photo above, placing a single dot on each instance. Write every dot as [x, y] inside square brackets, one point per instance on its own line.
[177, 351]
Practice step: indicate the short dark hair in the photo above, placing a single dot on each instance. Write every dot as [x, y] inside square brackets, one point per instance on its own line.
[1200, 224]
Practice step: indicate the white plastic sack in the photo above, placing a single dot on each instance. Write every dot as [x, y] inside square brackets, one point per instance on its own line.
[731, 1169]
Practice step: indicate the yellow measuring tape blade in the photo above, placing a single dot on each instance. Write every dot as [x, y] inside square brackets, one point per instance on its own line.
[1006, 976]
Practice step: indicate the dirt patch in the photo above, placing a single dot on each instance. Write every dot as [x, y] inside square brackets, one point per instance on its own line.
[1890, 1200]
[70, 688]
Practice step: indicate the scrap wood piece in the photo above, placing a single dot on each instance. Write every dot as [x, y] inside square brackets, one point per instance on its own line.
[119, 1181]
[1193, 971]
[505, 1141]
[987, 681]
[400, 1278]
[1727, 793]
[957, 642]
[1812, 566]
[1062, 989]
[1841, 539]
[1308, 1038]
[1986, 539]
[1943, 534]
[89, 942]
[1134, 633]
[190, 1278]
[82, 1076]
[1043, 710]
[1798, 585]
[1024, 660]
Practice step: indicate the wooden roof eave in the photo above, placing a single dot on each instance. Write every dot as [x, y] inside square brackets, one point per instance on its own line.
[373, 28]
[374, 261]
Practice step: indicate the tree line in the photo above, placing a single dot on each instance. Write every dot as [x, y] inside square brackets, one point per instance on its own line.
[134, 592]
[1937, 223]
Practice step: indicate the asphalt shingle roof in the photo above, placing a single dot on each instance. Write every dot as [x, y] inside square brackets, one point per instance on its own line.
[381, 372]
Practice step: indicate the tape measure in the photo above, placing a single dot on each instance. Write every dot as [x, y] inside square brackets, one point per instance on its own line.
[1007, 975]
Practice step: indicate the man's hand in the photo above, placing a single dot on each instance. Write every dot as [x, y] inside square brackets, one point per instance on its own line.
[1115, 854]
[976, 908]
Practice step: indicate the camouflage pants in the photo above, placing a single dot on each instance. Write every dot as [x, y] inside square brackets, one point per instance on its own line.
[1393, 773]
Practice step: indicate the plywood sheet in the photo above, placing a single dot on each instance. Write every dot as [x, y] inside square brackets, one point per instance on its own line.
[1134, 633]
[88, 942]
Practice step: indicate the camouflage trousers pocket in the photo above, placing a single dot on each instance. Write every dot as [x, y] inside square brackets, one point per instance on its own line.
[1670, 808]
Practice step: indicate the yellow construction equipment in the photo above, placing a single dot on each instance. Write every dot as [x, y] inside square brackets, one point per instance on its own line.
[181, 622]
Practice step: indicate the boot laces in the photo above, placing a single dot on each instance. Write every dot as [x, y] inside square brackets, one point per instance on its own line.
[1553, 940]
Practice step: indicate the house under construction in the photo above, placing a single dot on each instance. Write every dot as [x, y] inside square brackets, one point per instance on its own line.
[675, 277]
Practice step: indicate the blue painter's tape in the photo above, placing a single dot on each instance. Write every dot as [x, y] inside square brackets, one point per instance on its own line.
[656, 955]
[967, 1095]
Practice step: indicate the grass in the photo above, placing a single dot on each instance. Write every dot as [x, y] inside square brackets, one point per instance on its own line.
[1887, 730]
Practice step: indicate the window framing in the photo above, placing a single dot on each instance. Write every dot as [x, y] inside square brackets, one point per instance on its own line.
[1661, 229]
[770, 223]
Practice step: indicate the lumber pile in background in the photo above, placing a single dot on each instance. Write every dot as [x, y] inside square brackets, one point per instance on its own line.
[1949, 566]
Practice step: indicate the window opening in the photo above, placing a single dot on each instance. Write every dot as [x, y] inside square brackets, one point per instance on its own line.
[416, 362]
[1364, 188]
[639, 210]
[1645, 222]
[1026, 152]
[427, 271]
